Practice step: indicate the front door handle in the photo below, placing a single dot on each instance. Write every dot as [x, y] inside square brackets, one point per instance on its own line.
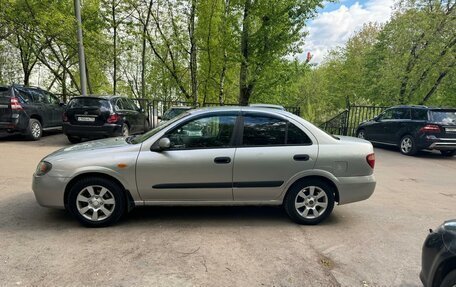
[222, 160]
[301, 157]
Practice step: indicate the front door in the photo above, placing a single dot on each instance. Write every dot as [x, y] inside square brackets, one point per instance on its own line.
[197, 166]
[272, 151]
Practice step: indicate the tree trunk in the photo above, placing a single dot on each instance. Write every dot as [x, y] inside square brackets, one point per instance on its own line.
[442, 75]
[193, 54]
[244, 85]
[143, 51]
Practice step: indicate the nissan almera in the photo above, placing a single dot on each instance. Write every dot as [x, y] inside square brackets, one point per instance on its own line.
[214, 156]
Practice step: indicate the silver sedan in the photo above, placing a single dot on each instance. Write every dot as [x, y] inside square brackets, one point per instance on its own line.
[216, 156]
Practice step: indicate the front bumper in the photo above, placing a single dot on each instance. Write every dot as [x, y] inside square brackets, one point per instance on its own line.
[352, 189]
[106, 130]
[49, 190]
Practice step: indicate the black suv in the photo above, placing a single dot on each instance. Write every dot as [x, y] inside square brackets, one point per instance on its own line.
[29, 111]
[413, 128]
[104, 116]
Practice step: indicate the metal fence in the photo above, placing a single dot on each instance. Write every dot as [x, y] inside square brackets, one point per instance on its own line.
[346, 122]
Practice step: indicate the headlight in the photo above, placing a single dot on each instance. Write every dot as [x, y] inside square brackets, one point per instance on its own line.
[43, 168]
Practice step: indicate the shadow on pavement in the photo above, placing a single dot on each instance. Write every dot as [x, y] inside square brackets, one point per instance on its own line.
[421, 154]
[22, 212]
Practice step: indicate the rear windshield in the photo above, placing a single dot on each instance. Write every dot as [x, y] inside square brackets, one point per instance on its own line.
[444, 117]
[89, 103]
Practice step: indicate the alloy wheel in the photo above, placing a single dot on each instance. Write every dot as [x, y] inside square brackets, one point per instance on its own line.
[311, 202]
[361, 135]
[406, 145]
[95, 203]
[36, 129]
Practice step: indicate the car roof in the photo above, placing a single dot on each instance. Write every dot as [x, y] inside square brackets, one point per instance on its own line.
[279, 107]
[422, 107]
[241, 108]
[105, 97]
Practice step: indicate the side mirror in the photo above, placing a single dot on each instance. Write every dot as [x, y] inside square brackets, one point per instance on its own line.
[377, 118]
[62, 104]
[159, 117]
[163, 144]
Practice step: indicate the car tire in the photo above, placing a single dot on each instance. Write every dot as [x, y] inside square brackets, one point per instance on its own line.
[74, 140]
[96, 202]
[448, 152]
[34, 130]
[449, 280]
[361, 134]
[125, 130]
[309, 201]
[407, 145]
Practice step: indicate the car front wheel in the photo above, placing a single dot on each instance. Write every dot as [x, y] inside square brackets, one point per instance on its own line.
[96, 202]
[408, 145]
[309, 202]
[449, 280]
[73, 139]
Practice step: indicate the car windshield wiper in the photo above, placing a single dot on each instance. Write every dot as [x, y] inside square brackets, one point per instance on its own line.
[130, 138]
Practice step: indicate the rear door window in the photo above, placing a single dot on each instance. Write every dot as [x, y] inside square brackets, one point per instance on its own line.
[267, 131]
[39, 97]
[401, 114]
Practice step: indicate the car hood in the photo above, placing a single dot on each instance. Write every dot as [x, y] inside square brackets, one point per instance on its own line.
[108, 143]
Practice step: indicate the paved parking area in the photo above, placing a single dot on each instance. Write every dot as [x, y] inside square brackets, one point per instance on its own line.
[372, 243]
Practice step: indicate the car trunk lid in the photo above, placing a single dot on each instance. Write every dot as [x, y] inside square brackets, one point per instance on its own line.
[89, 111]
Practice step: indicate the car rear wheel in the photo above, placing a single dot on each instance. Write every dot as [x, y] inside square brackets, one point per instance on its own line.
[448, 152]
[361, 134]
[408, 145]
[96, 202]
[125, 130]
[309, 202]
[73, 139]
[34, 130]
[449, 280]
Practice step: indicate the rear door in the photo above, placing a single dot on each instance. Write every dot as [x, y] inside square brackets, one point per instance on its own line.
[399, 125]
[272, 150]
[43, 107]
[57, 109]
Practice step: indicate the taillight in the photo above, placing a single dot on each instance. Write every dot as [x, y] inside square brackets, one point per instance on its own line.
[430, 129]
[15, 105]
[113, 118]
[371, 160]
[65, 117]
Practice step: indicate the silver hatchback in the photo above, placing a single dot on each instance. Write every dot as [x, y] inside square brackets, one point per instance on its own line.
[216, 156]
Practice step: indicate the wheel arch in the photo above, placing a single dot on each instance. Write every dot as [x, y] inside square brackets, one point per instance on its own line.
[72, 182]
[317, 177]
[37, 117]
[444, 268]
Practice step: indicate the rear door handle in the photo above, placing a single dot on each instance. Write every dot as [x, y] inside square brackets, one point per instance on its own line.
[222, 160]
[301, 157]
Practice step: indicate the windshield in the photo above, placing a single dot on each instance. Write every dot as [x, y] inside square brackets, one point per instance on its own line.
[173, 112]
[444, 117]
[143, 137]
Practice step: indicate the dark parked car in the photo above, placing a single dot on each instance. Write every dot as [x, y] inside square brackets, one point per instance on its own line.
[104, 116]
[413, 128]
[29, 111]
[438, 259]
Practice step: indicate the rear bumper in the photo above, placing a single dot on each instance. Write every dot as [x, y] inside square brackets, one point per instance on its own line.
[17, 123]
[433, 142]
[353, 189]
[49, 190]
[106, 130]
